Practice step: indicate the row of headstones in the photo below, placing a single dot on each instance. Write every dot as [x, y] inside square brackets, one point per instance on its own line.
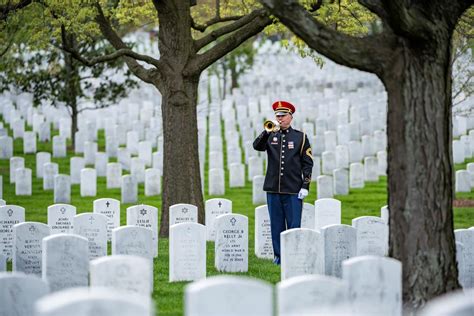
[338, 183]
[119, 284]
[369, 235]
[86, 177]
[99, 226]
[369, 286]
[230, 232]
[116, 124]
[463, 148]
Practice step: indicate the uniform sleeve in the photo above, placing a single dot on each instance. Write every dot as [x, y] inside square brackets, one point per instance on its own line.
[306, 163]
[260, 143]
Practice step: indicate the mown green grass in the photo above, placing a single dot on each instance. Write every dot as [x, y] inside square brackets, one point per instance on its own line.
[169, 296]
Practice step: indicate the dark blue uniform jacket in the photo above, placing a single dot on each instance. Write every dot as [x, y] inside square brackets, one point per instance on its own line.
[290, 161]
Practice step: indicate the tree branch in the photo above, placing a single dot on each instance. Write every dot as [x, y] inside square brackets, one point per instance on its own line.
[202, 27]
[7, 47]
[152, 76]
[201, 61]
[376, 7]
[8, 8]
[206, 40]
[367, 53]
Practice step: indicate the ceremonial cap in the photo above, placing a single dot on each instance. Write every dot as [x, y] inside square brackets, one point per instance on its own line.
[283, 107]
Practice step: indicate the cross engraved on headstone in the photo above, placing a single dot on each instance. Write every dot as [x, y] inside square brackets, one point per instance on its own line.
[220, 204]
[107, 203]
[10, 212]
[143, 212]
[63, 210]
[91, 219]
[232, 221]
[185, 210]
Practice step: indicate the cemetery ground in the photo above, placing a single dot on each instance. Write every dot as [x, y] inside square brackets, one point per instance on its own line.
[168, 297]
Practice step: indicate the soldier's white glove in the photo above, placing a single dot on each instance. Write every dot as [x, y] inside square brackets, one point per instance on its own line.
[302, 194]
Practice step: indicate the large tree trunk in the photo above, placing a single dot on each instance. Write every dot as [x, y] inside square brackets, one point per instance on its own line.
[72, 85]
[420, 173]
[181, 172]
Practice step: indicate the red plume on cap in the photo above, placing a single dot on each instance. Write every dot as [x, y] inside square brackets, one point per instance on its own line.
[283, 106]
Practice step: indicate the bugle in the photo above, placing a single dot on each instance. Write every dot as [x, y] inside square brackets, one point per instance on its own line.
[271, 126]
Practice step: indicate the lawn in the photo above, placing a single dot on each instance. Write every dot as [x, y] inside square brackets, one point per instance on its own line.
[169, 296]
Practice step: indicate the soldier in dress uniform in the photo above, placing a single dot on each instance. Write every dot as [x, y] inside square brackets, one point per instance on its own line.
[288, 176]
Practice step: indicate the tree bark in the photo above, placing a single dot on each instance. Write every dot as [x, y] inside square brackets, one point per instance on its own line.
[181, 172]
[420, 169]
[72, 84]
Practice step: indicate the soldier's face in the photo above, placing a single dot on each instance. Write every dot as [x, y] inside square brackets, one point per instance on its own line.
[284, 120]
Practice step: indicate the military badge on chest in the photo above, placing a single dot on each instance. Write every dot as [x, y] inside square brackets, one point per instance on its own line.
[274, 141]
[291, 145]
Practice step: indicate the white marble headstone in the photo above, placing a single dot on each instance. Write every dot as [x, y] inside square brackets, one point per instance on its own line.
[316, 295]
[62, 188]
[59, 147]
[214, 208]
[111, 209]
[356, 175]
[152, 182]
[324, 187]
[307, 216]
[93, 227]
[145, 216]
[126, 273]
[133, 240]
[327, 212]
[50, 170]
[339, 245]
[182, 213]
[187, 252]
[301, 252]
[258, 195]
[65, 261]
[27, 247]
[129, 190]
[114, 175]
[41, 159]
[6, 147]
[19, 292]
[60, 218]
[76, 165]
[15, 163]
[236, 175]
[23, 185]
[88, 182]
[263, 234]
[232, 243]
[375, 285]
[372, 235]
[9, 216]
[229, 295]
[94, 301]
[216, 181]
[466, 268]
[341, 182]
